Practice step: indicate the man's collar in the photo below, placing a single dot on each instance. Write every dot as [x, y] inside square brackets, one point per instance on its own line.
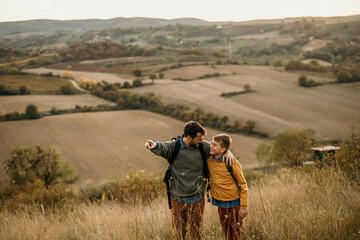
[182, 142]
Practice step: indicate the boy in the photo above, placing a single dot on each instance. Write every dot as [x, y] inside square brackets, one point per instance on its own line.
[231, 203]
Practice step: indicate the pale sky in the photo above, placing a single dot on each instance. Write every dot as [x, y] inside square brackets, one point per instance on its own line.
[210, 10]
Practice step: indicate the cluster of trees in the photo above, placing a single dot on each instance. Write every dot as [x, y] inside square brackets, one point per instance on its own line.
[247, 89]
[343, 51]
[305, 82]
[31, 112]
[290, 148]
[6, 90]
[105, 86]
[100, 50]
[293, 147]
[299, 27]
[12, 54]
[38, 176]
[207, 75]
[313, 66]
[347, 75]
[292, 48]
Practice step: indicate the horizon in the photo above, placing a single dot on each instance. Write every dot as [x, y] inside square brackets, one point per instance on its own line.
[227, 11]
[169, 19]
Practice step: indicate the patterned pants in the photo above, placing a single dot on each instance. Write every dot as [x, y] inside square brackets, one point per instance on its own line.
[231, 222]
[187, 214]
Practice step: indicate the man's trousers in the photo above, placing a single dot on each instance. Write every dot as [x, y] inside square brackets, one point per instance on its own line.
[187, 214]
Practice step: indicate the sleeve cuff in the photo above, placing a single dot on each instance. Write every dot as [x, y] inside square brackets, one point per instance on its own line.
[156, 149]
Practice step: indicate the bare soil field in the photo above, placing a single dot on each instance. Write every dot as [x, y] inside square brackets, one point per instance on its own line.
[106, 145]
[97, 76]
[315, 44]
[46, 102]
[278, 103]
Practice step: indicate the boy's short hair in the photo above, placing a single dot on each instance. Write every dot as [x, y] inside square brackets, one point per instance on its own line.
[224, 140]
[192, 128]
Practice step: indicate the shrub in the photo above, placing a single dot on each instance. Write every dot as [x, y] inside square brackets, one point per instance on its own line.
[137, 187]
[34, 194]
[161, 75]
[304, 82]
[13, 116]
[263, 154]
[137, 83]
[30, 164]
[137, 72]
[247, 87]
[24, 90]
[249, 126]
[54, 110]
[152, 76]
[67, 75]
[126, 84]
[67, 89]
[348, 157]
[31, 112]
[12, 70]
[291, 147]
[343, 76]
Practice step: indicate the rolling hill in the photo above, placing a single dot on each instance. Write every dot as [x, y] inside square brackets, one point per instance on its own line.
[278, 103]
[106, 145]
[49, 25]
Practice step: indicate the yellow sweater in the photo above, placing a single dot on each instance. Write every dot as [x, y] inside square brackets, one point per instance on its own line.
[223, 187]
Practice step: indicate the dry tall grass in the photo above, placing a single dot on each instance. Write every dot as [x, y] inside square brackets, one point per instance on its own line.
[294, 204]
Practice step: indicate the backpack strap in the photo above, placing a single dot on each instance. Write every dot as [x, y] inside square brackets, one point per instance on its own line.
[206, 170]
[230, 169]
[176, 149]
[168, 171]
[203, 156]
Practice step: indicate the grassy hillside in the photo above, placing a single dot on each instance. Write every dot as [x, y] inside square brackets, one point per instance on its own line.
[294, 204]
[278, 104]
[106, 145]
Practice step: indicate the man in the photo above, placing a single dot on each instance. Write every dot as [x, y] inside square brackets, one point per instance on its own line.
[187, 183]
[229, 192]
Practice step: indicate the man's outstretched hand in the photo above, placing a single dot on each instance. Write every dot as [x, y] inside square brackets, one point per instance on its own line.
[150, 144]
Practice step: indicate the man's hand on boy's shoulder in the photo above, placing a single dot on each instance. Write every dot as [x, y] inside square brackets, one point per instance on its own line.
[229, 158]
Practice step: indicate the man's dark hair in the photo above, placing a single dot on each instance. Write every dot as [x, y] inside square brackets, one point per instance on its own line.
[192, 128]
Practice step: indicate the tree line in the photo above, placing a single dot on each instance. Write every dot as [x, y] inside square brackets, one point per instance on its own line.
[125, 99]
[100, 50]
